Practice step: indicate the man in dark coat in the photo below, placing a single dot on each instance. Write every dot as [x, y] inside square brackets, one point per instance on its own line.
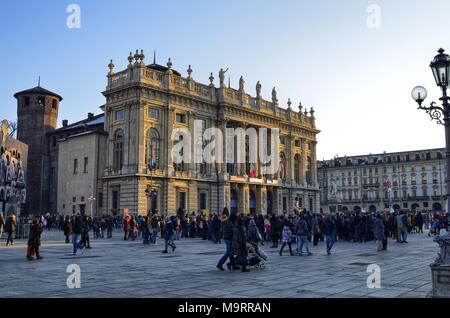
[169, 229]
[76, 232]
[67, 228]
[227, 230]
[34, 240]
[239, 244]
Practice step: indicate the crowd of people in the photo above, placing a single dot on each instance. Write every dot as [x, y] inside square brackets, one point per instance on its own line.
[297, 230]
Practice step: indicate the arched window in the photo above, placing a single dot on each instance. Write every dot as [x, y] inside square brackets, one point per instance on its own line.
[297, 168]
[118, 150]
[152, 149]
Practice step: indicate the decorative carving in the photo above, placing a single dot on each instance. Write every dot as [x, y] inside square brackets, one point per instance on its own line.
[211, 80]
[443, 258]
[241, 84]
[258, 90]
[189, 71]
[222, 77]
[274, 96]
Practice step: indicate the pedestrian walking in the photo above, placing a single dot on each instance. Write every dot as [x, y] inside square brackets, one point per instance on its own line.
[169, 230]
[34, 240]
[126, 227]
[286, 239]
[10, 229]
[227, 230]
[76, 232]
[239, 245]
[2, 224]
[301, 231]
[329, 230]
[378, 232]
[67, 228]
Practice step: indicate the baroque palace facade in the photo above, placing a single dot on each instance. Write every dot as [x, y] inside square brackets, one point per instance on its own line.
[397, 181]
[123, 160]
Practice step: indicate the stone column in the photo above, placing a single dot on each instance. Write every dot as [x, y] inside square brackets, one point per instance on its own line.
[290, 174]
[261, 200]
[303, 162]
[314, 163]
[168, 142]
[192, 165]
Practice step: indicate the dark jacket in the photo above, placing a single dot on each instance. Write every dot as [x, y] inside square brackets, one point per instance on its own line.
[301, 228]
[252, 232]
[329, 227]
[34, 238]
[10, 225]
[239, 242]
[227, 229]
[76, 227]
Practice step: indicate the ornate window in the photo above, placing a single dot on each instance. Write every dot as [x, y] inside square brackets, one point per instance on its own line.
[118, 150]
[152, 149]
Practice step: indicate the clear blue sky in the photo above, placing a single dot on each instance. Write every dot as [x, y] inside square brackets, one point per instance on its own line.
[319, 52]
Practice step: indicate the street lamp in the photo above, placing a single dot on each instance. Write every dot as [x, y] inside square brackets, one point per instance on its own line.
[441, 72]
[92, 199]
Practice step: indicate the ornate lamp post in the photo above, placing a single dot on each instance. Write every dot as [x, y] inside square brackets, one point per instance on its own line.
[440, 66]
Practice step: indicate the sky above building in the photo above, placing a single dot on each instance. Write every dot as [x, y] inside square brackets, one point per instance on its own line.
[354, 61]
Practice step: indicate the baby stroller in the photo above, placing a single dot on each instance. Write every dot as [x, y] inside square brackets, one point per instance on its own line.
[256, 256]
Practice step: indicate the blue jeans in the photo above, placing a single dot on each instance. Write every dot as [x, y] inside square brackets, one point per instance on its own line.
[154, 234]
[227, 254]
[75, 243]
[302, 240]
[330, 241]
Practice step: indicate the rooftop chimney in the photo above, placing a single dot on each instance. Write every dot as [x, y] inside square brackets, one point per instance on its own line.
[90, 115]
[65, 122]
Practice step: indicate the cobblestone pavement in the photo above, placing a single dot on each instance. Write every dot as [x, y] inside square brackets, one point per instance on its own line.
[117, 268]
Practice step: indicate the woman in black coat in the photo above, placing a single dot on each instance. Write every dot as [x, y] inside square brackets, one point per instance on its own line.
[67, 228]
[34, 241]
[10, 228]
[274, 231]
[239, 244]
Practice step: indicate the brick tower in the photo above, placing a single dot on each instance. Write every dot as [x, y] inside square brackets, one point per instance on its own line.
[37, 115]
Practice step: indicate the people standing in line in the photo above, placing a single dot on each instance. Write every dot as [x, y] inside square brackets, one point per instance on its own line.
[239, 245]
[126, 227]
[286, 239]
[34, 240]
[67, 228]
[301, 231]
[76, 232]
[227, 230]
[329, 230]
[10, 229]
[169, 229]
[378, 232]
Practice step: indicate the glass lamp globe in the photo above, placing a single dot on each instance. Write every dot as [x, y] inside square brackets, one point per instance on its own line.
[419, 93]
